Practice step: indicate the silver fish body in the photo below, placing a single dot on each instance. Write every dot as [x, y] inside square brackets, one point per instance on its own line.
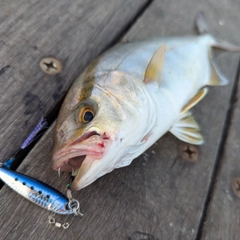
[128, 98]
[187, 68]
[36, 191]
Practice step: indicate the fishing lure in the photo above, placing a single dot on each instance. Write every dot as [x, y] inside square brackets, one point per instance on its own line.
[40, 193]
[36, 191]
[39, 127]
[31, 137]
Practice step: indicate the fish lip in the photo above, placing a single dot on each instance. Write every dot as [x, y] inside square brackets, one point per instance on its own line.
[71, 152]
[73, 146]
[62, 159]
[85, 136]
[63, 162]
[79, 148]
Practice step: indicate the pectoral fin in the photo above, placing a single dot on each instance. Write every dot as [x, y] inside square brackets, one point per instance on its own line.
[197, 98]
[156, 64]
[186, 129]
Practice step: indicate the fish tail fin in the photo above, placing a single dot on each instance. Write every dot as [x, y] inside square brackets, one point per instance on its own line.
[216, 79]
[225, 46]
[203, 29]
[201, 24]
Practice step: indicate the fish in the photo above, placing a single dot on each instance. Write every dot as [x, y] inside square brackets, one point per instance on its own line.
[37, 192]
[129, 97]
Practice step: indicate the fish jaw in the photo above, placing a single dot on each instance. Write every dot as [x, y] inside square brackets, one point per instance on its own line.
[92, 169]
[81, 153]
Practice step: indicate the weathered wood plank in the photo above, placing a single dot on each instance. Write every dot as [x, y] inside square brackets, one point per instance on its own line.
[73, 31]
[223, 219]
[159, 196]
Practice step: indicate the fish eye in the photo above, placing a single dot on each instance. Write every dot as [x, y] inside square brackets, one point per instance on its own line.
[84, 114]
[86, 111]
[87, 116]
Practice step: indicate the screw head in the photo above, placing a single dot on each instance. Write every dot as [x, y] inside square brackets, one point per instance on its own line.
[189, 152]
[236, 186]
[51, 65]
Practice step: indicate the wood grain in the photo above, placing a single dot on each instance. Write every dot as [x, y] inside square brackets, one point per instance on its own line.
[160, 195]
[223, 219]
[73, 31]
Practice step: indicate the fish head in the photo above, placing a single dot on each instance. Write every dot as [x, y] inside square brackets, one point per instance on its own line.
[93, 126]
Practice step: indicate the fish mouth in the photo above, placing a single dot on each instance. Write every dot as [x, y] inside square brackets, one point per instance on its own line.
[79, 155]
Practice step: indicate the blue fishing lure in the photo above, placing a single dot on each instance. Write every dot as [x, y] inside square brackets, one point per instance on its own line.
[34, 190]
[38, 192]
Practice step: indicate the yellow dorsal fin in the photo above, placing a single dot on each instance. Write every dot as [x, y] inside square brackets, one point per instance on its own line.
[197, 98]
[186, 129]
[155, 65]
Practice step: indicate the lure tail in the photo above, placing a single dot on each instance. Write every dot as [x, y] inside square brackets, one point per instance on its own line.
[40, 126]
[31, 137]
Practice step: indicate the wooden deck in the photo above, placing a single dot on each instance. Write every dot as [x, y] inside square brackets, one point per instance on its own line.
[160, 195]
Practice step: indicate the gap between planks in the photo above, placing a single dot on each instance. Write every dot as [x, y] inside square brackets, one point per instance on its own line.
[219, 158]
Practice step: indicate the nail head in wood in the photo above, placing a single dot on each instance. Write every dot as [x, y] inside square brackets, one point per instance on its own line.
[236, 186]
[51, 65]
[189, 152]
